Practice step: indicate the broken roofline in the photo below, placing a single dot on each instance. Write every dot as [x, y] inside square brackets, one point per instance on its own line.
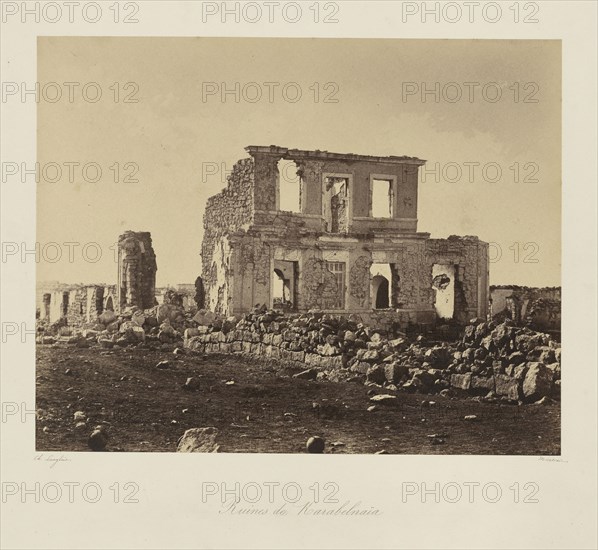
[295, 154]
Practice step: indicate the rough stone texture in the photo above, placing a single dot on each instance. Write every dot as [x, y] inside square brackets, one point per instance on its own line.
[226, 213]
[199, 440]
[537, 382]
[246, 233]
[506, 386]
[75, 304]
[136, 270]
[461, 381]
[482, 384]
[537, 308]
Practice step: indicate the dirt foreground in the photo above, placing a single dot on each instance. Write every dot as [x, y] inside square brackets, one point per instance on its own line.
[259, 408]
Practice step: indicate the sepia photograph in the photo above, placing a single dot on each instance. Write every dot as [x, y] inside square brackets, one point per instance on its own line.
[298, 274]
[278, 245]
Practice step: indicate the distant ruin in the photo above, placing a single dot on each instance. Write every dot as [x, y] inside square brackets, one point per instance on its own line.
[77, 303]
[348, 245]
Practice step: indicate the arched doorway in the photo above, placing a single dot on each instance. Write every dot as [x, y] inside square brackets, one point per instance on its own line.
[109, 304]
[380, 286]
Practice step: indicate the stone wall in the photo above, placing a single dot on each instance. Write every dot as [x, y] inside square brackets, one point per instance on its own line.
[226, 213]
[76, 305]
[469, 256]
[491, 360]
[539, 308]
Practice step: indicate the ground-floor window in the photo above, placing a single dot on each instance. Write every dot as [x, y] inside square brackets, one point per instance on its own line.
[336, 298]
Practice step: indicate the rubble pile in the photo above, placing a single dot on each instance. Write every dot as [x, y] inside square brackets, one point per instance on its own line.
[160, 327]
[491, 361]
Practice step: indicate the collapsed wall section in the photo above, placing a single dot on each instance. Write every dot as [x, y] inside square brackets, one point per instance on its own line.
[538, 308]
[226, 213]
[77, 305]
[461, 265]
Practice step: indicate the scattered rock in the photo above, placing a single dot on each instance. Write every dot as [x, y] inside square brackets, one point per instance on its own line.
[309, 374]
[191, 384]
[384, 399]
[199, 440]
[376, 374]
[315, 445]
[98, 440]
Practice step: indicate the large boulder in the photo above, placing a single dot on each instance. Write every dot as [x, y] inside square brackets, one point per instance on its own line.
[482, 384]
[537, 382]
[506, 386]
[198, 440]
[394, 372]
[107, 317]
[138, 318]
[461, 381]
[376, 374]
[195, 343]
[169, 312]
[204, 318]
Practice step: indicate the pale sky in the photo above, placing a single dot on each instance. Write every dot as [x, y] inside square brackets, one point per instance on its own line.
[173, 133]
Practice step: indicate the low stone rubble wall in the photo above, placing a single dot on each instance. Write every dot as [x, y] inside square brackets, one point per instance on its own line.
[490, 362]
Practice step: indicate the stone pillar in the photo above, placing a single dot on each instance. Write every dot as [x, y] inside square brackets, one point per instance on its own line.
[45, 314]
[136, 270]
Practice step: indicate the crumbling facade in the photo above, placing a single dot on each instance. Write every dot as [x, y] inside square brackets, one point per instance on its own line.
[136, 270]
[537, 308]
[349, 245]
[75, 304]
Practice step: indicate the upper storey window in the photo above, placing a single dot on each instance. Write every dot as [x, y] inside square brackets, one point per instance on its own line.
[336, 203]
[382, 198]
[290, 187]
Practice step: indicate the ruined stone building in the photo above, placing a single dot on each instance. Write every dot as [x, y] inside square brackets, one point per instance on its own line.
[298, 230]
[77, 304]
[136, 270]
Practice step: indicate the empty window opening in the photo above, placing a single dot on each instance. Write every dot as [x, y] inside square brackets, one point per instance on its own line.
[290, 186]
[380, 289]
[109, 304]
[337, 193]
[65, 303]
[99, 300]
[382, 198]
[334, 292]
[443, 283]
[283, 285]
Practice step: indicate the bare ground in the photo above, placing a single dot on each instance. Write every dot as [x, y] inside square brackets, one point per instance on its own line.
[264, 410]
